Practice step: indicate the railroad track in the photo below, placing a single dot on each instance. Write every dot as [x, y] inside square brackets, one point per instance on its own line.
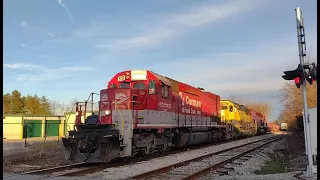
[79, 169]
[198, 167]
[68, 170]
[83, 168]
[59, 171]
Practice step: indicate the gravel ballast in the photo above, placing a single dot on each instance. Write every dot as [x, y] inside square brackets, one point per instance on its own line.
[128, 171]
[246, 171]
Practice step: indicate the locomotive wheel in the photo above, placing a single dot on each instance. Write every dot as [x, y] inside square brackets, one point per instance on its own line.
[144, 153]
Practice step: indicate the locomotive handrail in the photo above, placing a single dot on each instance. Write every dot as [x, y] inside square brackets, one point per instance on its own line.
[122, 124]
[69, 118]
[131, 114]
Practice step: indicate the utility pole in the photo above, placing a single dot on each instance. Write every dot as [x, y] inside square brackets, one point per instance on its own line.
[302, 54]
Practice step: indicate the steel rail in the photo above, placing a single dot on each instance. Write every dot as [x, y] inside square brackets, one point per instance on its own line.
[85, 170]
[176, 165]
[46, 170]
[54, 169]
[203, 172]
[49, 172]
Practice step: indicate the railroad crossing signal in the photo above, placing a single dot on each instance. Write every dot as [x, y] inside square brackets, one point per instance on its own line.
[312, 75]
[300, 74]
[297, 75]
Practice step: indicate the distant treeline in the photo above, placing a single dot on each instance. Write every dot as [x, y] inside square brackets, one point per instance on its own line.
[15, 103]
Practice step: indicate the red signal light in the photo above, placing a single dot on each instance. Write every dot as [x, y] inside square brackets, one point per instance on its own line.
[297, 82]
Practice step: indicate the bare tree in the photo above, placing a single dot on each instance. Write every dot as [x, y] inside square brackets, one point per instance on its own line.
[53, 106]
[71, 107]
[235, 99]
[261, 107]
[58, 108]
[291, 100]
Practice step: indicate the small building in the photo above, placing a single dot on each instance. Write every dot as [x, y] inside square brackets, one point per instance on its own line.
[20, 127]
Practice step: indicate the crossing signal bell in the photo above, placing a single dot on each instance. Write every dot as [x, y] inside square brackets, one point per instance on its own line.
[298, 75]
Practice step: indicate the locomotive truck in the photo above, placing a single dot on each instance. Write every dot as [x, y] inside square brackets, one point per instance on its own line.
[141, 112]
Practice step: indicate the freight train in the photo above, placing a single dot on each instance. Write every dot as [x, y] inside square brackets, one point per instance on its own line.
[273, 127]
[142, 112]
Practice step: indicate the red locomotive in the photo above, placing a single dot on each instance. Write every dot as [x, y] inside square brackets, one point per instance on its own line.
[144, 112]
[260, 121]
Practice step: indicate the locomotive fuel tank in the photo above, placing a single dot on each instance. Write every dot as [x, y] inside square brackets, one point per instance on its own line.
[199, 129]
[185, 139]
[198, 138]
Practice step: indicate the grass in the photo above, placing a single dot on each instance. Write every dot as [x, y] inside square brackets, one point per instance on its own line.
[278, 163]
[291, 158]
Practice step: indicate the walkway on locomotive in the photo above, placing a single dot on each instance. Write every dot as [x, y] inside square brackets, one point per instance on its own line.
[239, 116]
[170, 103]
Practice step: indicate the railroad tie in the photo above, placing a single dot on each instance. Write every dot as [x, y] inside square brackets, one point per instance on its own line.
[237, 162]
[223, 171]
[244, 158]
[248, 156]
[229, 167]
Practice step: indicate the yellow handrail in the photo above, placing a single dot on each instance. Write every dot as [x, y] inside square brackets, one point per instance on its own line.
[122, 126]
[131, 116]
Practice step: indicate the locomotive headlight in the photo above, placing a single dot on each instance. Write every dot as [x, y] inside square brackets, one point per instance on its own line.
[77, 113]
[107, 112]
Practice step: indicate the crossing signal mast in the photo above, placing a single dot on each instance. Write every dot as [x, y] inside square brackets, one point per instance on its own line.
[304, 72]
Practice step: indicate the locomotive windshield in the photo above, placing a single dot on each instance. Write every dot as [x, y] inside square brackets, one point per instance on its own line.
[113, 86]
[224, 107]
[152, 87]
[139, 85]
[124, 85]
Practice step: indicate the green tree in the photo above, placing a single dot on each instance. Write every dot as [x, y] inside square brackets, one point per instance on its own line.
[6, 104]
[32, 105]
[16, 102]
[45, 106]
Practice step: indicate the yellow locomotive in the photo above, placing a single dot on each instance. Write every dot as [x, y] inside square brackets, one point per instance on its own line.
[239, 117]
